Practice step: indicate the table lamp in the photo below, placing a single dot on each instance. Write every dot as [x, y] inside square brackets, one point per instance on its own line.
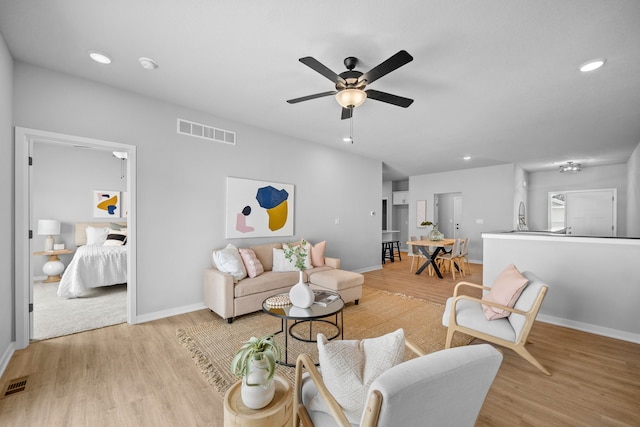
[49, 228]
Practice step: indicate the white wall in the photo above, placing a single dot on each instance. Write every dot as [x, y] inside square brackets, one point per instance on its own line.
[633, 194]
[182, 180]
[7, 259]
[63, 180]
[487, 195]
[591, 178]
[593, 282]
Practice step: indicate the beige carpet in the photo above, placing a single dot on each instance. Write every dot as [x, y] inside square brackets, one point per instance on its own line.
[213, 344]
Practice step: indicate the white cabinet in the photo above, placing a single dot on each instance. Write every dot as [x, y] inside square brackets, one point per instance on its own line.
[400, 197]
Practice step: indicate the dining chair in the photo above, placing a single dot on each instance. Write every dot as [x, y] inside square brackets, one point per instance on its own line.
[464, 256]
[415, 253]
[452, 260]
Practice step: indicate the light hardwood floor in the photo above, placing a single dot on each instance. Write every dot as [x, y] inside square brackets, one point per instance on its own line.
[139, 375]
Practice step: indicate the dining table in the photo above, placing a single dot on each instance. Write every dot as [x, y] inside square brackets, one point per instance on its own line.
[423, 247]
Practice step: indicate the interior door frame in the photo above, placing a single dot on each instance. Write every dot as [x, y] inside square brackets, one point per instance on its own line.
[23, 142]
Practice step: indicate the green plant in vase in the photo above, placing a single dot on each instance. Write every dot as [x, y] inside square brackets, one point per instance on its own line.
[434, 234]
[255, 362]
[300, 294]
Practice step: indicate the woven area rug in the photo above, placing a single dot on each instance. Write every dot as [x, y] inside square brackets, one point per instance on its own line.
[212, 345]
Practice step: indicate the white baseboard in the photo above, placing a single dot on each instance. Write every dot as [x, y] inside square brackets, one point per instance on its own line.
[6, 357]
[590, 328]
[168, 313]
[366, 269]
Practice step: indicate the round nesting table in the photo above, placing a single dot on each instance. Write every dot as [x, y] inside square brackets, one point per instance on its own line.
[278, 413]
[299, 316]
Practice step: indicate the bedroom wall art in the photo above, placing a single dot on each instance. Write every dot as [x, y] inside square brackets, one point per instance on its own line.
[106, 204]
[259, 208]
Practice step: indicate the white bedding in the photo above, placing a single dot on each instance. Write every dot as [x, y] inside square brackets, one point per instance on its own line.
[93, 266]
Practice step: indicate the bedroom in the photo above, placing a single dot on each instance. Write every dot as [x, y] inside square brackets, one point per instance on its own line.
[64, 178]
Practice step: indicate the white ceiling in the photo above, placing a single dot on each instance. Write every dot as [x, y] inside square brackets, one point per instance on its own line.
[497, 80]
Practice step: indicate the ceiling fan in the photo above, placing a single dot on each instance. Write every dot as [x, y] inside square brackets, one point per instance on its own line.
[350, 84]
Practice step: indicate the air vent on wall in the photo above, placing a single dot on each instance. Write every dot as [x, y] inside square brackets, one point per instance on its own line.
[199, 130]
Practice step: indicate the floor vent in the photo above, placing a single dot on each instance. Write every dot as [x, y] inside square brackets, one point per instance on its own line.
[199, 130]
[15, 386]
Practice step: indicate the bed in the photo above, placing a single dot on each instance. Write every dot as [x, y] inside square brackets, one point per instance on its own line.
[96, 262]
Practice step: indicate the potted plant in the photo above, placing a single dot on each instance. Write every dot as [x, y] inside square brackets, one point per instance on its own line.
[300, 294]
[255, 362]
[434, 234]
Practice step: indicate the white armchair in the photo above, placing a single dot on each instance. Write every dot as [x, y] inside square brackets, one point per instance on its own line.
[445, 388]
[464, 314]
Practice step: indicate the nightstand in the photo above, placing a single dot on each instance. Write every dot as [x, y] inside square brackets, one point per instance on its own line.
[53, 268]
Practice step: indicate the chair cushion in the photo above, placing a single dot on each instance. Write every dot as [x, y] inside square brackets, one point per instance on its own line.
[505, 291]
[470, 314]
[350, 366]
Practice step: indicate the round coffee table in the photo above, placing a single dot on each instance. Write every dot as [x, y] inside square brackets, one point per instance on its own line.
[299, 316]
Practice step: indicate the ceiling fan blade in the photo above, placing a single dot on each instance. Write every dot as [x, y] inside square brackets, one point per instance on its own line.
[347, 113]
[314, 96]
[396, 61]
[315, 65]
[389, 98]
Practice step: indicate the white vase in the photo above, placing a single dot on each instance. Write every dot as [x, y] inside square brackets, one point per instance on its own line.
[257, 389]
[301, 294]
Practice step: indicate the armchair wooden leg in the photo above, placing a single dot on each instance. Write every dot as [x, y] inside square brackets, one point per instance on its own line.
[450, 332]
[526, 355]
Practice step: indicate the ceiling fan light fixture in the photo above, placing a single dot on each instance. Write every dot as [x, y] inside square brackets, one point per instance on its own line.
[351, 98]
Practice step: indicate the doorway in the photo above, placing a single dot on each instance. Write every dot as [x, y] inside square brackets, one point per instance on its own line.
[583, 213]
[24, 141]
[448, 214]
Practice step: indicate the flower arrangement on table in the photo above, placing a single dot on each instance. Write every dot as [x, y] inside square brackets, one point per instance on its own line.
[434, 234]
[297, 253]
[300, 294]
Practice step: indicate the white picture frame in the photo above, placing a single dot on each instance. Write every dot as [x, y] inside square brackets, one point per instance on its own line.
[259, 208]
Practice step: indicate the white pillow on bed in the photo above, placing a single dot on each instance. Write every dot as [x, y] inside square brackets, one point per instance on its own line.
[97, 235]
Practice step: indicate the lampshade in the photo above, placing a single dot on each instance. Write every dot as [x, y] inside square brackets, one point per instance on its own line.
[48, 227]
[351, 97]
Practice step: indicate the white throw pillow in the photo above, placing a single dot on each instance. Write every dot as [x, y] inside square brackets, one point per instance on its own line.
[280, 263]
[97, 235]
[228, 260]
[350, 366]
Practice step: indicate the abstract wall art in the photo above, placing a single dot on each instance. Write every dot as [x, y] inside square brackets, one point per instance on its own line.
[259, 208]
[106, 204]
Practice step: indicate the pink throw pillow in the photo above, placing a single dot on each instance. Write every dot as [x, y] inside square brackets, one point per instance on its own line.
[505, 291]
[251, 262]
[317, 254]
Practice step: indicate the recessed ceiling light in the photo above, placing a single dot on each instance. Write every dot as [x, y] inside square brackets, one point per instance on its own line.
[148, 63]
[592, 65]
[99, 57]
[466, 158]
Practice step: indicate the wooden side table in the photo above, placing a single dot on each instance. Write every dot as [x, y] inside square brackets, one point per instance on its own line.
[278, 413]
[53, 268]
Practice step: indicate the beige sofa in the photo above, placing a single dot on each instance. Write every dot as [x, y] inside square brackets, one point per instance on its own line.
[229, 299]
